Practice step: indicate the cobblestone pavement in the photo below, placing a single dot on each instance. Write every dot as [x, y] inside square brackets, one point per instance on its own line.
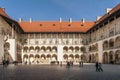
[55, 72]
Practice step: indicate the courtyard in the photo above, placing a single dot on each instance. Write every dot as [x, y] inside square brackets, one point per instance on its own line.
[56, 72]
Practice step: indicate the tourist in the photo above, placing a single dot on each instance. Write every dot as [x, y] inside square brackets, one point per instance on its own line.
[97, 68]
[100, 67]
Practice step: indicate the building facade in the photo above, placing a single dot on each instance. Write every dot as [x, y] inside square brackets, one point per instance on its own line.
[35, 42]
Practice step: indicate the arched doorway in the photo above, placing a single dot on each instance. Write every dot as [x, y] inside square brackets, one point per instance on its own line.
[31, 59]
[111, 57]
[117, 57]
[25, 59]
[65, 57]
[77, 57]
[37, 59]
[105, 57]
[71, 57]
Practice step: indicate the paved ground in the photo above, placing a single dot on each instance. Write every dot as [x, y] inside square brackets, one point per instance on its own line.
[55, 72]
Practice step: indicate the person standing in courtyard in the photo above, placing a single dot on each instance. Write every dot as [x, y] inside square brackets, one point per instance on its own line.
[97, 68]
[100, 67]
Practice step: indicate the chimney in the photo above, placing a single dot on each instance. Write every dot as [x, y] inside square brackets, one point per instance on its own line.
[70, 20]
[83, 20]
[98, 17]
[20, 19]
[60, 19]
[108, 10]
[30, 20]
[3, 9]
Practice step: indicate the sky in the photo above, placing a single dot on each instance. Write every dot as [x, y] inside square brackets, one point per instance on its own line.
[52, 10]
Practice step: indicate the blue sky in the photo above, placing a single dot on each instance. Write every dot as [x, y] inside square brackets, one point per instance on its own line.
[52, 10]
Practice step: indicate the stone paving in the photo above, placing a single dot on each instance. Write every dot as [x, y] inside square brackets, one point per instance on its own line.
[55, 72]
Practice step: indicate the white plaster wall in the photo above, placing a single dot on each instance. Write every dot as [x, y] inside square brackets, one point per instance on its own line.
[60, 52]
[12, 50]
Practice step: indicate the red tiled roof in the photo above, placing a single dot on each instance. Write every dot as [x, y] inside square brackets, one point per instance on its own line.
[2, 12]
[109, 13]
[56, 26]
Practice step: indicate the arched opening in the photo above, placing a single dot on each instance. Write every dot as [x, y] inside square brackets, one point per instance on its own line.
[71, 49]
[54, 57]
[117, 42]
[65, 56]
[105, 57]
[25, 59]
[25, 49]
[83, 49]
[37, 58]
[111, 43]
[43, 49]
[31, 58]
[96, 46]
[105, 45]
[83, 58]
[54, 49]
[93, 58]
[37, 49]
[31, 48]
[48, 49]
[96, 57]
[76, 49]
[43, 56]
[71, 57]
[117, 57]
[77, 57]
[111, 57]
[65, 48]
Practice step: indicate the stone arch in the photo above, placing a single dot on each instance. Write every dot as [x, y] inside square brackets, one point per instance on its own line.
[93, 58]
[31, 58]
[96, 57]
[65, 48]
[83, 58]
[117, 42]
[25, 58]
[117, 57]
[105, 45]
[49, 49]
[37, 57]
[54, 57]
[71, 48]
[43, 56]
[77, 56]
[31, 48]
[83, 49]
[54, 48]
[37, 48]
[71, 57]
[48, 56]
[25, 48]
[105, 57]
[111, 43]
[65, 56]
[96, 46]
[111, 57]
[43, 48]
[76, 48]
